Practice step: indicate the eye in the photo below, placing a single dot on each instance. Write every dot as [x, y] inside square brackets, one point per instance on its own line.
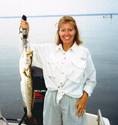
[70, 30]
[62, 30]
[66, 30]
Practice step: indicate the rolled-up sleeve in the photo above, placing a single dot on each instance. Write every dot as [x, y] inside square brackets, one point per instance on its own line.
[36, 61]
[90, 75]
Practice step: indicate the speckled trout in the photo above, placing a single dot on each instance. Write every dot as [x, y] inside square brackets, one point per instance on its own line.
[26, 80]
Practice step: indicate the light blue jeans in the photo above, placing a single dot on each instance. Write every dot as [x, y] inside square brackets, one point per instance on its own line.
[63, 113]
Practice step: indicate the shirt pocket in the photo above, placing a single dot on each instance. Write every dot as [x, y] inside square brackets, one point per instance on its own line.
[77, 69]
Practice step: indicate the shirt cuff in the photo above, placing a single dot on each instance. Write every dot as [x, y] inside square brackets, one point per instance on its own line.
[88, 89]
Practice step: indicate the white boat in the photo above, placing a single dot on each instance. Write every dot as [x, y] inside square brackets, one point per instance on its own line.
[98, 119]
[92, 119]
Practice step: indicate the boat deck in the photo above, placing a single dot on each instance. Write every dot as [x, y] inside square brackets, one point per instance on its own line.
[92, 119]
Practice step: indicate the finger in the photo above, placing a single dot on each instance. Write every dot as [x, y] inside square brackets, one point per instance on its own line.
[80, 112]
[80, 107]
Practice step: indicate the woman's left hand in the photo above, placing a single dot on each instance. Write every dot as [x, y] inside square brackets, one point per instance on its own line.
[81, 104]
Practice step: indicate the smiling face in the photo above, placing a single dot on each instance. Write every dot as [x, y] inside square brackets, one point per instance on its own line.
[67, 34]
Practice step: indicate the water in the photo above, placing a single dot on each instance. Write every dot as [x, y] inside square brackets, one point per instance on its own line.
[98, 34]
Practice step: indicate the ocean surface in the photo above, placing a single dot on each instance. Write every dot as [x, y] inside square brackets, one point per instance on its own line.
[98, 33]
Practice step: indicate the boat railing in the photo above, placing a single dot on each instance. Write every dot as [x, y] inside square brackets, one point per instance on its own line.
[100, 118]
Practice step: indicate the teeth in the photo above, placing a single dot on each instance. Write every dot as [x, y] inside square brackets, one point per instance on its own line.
[66, 38]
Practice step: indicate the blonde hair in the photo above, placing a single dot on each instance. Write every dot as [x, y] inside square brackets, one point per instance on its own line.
[68, 19]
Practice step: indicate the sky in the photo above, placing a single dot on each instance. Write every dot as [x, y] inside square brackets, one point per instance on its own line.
[45, 7]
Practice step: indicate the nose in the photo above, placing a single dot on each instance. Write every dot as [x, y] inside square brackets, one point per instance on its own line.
[66, 32]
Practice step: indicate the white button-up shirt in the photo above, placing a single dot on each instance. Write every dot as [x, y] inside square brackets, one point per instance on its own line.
[69, 73]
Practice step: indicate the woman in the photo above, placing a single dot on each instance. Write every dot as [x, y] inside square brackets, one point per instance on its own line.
[69, 74]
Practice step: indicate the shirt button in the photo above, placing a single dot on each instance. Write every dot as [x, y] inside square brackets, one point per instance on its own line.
[64, 53]
[61, 82]
[64, 58]
[50, 77]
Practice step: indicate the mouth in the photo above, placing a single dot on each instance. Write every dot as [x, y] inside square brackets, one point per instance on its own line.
[66, 38]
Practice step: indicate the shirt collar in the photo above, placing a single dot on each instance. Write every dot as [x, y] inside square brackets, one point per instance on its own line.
[73, 48]
[59, 47]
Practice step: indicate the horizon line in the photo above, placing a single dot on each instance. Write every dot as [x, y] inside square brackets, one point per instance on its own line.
[59, 15]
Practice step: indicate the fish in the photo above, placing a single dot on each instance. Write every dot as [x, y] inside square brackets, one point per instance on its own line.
[25, 64]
